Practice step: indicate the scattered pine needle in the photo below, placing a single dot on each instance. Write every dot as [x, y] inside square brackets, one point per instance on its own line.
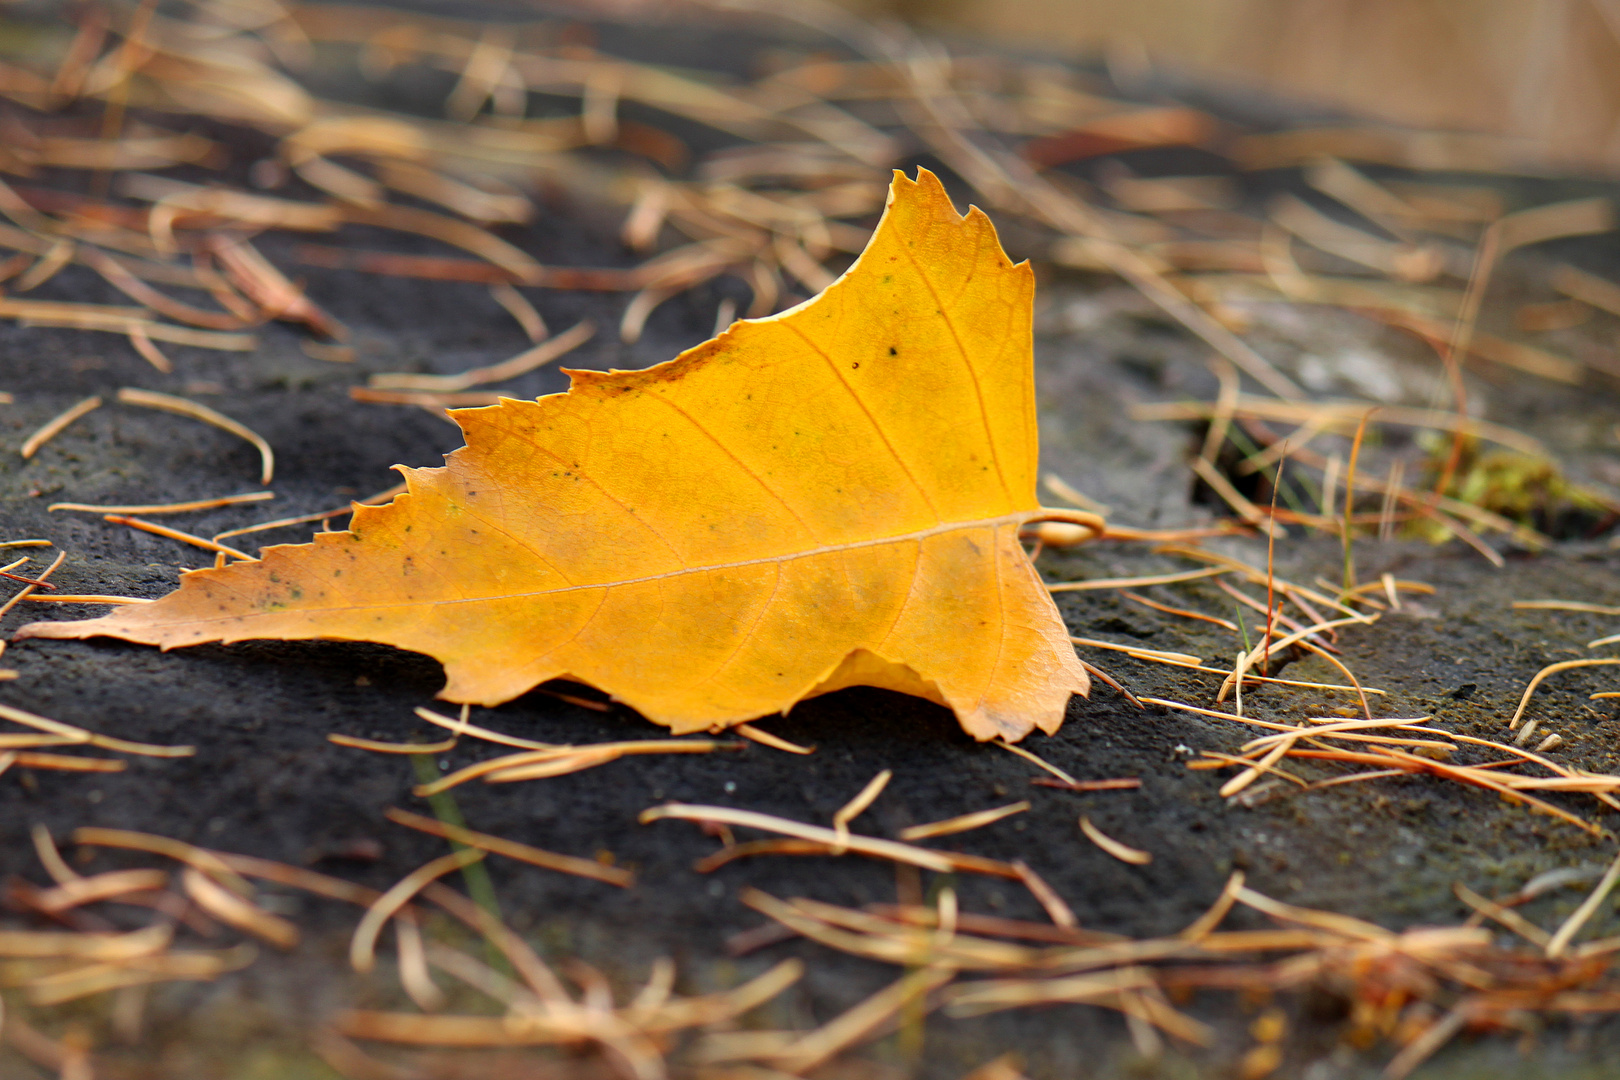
[962, 822]
[233, 910]
[858, 806]
[1140, 653]
[1056, 909]
[1123, 852]
[521, 364]
[55, 426]
[1135, 582]
[67, 763]
[938, 861]
[566, 864]
[90, 738]
[362, 948]
[80, 891]
[1565, 605]
[177, 534]
[182, 407]
[517, 305]
[1119, 687]
[1224, 624]
[165, 508]
[373, 745]
[1560, 940]
[1130, 783]
[281, 523]
[1066, 491]
[1030, 757]
[775, 742]
[27, 591]
[561, 760]
[204, 860]
[1552, 669]
[87, 598]
[860, 1021]
[1509, 918]
[142, 342]
[593, 704]
[461, 727]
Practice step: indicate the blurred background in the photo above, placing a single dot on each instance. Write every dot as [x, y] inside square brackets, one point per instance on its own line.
[1546, 72]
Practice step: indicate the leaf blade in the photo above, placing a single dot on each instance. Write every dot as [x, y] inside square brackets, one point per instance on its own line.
[826, 497]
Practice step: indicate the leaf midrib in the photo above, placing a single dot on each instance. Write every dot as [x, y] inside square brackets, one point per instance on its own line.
[917, 536]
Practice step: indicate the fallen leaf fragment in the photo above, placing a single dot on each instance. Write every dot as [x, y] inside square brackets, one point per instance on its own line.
[824, 498]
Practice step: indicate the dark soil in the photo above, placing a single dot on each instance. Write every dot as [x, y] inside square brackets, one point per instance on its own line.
[265, 781]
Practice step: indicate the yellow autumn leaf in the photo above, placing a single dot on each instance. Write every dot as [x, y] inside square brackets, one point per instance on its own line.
[824, 498]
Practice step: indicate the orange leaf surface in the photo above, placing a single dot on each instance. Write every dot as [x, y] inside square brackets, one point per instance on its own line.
[824, 498]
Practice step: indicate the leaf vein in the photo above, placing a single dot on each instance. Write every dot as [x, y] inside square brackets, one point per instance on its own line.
[967, 362]
[877, 427]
